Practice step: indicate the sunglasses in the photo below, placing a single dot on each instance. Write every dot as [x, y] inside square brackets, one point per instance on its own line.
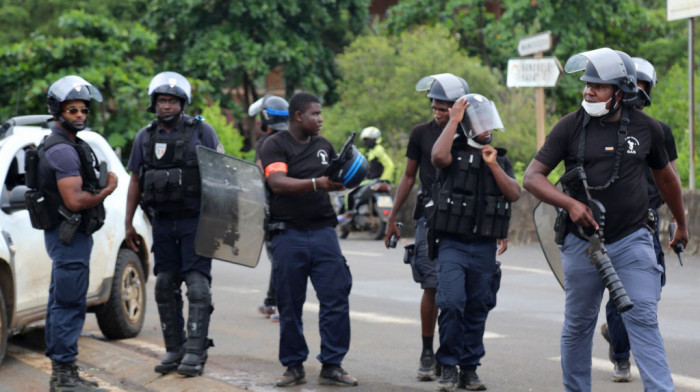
[73, 110]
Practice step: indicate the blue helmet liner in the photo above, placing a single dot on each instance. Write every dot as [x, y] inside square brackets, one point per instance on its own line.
[350, 167]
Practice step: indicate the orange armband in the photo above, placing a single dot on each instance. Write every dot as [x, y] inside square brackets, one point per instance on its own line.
[275, 167]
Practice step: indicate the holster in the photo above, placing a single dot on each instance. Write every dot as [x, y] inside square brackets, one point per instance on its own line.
[409, 252]
[432, 242]
[69, 226]
[273, 228]
[561, 226]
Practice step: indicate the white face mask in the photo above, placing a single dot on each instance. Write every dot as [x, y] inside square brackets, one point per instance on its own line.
[596, 109]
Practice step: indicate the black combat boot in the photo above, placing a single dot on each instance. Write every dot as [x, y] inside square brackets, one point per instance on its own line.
[65, 378]
[200, 309]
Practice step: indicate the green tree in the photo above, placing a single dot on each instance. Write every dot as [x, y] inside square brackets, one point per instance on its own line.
[237, 43]
[378, 89]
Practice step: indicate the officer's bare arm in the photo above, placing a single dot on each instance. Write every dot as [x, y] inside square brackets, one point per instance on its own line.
[441, 155]
[535, 181]
[132, 200]
[280, 183]
[670, 188]
[76, 199]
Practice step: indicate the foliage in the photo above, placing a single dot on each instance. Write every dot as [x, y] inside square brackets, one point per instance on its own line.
[108, 54]
[237, 43]
[378, 89]
[229, 137]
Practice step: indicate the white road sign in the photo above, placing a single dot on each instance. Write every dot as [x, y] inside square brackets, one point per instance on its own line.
[537, 43]
[682, 9]
[533, 72]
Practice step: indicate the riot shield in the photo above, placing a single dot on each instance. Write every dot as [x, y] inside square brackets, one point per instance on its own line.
[233, 209]
[544, 216]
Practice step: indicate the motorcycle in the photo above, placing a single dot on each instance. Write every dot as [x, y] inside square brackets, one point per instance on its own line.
[369, 209]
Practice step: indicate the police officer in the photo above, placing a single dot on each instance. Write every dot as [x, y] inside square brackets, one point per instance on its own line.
[443, 91]
[165, 180]
[274, 117]
[614, 144]
[74, 211]
[305, 245]
[614, 331]
[472, 211]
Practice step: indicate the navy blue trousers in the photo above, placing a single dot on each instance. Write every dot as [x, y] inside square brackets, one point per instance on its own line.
[297, 257]
[466, 292]
[70, 277]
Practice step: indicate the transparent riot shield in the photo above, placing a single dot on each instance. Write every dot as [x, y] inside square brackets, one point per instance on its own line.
[544, 216]
[233, 209]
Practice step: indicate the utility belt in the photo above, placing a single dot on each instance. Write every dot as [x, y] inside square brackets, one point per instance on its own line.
[182, 214]
[273, 228]
[458, 214]
[169, 185]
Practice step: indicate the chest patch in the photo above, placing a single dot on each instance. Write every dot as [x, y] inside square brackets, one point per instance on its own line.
[631, 144]
[609, 149]
[323, 155]
[160, 149]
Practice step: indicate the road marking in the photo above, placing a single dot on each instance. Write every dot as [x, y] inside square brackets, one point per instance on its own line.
[525, 269]
[382, 319]
[679, 381]
[357, 253]
[40, 362]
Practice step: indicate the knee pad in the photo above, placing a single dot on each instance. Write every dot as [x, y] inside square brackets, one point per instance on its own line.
[167, 287]
[198, 288]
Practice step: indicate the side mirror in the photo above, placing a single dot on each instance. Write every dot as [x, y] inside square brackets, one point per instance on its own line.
[14, 201]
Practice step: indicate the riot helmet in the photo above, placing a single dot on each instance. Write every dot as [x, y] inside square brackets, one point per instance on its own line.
[605, 66]
[352, 170]
[481, 116]
[443, 87]
[171, 83]
[274, 112]
[645, 73]
[70, 88]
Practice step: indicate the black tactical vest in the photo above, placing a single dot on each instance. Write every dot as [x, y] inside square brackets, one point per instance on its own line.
[93, 218]
[468, 200]
[169, 172]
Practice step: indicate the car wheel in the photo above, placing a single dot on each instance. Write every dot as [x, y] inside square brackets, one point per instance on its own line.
[4, 327]
[122, 316]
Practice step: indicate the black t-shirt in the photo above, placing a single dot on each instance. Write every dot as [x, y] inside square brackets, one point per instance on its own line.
[307, 211]
[259, 143]
[420, 146]
[655, 200]
[626, 200]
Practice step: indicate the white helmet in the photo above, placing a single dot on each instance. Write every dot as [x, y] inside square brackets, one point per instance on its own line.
[370, 133]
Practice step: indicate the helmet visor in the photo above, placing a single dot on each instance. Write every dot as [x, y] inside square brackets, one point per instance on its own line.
[174, 81]
[645, 71]
[256, 107]
[607, 63]
[450, 83]
[72, 85]
[483, 117]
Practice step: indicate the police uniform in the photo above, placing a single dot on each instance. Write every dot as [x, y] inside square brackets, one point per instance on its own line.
[618, 334]
[70, 270]
[169, 186]
[420, 145]
[628, 241]
[304, 246]
[471, 213]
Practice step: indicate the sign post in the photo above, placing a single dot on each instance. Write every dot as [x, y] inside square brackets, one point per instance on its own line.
[538, 72]
[675, 10]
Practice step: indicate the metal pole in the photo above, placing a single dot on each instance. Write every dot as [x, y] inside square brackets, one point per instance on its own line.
[539, 110]
[691, 103]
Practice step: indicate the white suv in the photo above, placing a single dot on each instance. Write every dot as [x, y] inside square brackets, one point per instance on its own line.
[117, 290]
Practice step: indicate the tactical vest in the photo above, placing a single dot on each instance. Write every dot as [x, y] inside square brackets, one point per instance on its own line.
[44, 200]
[169, 172]
[468, 200]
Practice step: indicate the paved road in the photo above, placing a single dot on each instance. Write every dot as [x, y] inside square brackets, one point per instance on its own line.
[522, 339]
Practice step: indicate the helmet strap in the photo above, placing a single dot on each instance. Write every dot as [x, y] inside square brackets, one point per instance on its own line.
[170, 121]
